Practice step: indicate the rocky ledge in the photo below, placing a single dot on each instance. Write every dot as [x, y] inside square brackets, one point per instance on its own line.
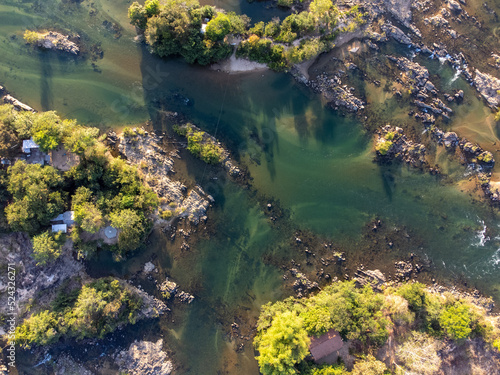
[56, 41]
[489, 88]
[391, 143]
[144, 358]
[338, 95]
[145, 151]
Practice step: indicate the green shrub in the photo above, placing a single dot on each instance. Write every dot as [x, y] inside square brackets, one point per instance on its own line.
[47, 247]
[455, 321]
[383, 147]
[31, 37]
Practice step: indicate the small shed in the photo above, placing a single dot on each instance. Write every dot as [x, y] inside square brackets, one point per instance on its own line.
[324, 348]
[110, 232]
[59, 228]
[67, 218]
[203, 28]
[28, 145]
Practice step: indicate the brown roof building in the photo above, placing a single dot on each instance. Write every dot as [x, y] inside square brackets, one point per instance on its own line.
[325, 348]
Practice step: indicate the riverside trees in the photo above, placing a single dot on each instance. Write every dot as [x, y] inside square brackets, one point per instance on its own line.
[175, 28]
[367, 318]
[98, 188]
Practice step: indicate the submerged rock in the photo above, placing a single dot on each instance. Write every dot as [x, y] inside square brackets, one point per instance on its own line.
[144, 358]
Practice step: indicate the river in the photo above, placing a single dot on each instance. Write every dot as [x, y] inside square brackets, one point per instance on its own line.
[318, 164]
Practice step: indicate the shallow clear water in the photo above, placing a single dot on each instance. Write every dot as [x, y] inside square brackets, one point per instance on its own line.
[318, 164]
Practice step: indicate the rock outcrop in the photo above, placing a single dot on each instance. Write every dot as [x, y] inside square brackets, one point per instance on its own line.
[392, 143]
[338, 95]
[30, 279]
[489, 88]
[17, 104]
[56, 41]
[144, 150]
[144, 358]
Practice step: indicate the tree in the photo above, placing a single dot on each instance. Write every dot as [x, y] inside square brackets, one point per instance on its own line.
[8, 140]
[47, 131]
[89, 217]
[218, 27]
[46, 248]
[455, 321]
[369, 366]
[282, 345]
[131, 228]
[137, 15]
[38, 329]
[36, 196]
[78, 139]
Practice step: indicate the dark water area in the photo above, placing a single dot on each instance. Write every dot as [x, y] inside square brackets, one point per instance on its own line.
[315, 162]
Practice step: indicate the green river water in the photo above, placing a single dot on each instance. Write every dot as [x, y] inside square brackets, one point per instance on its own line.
[318, 164]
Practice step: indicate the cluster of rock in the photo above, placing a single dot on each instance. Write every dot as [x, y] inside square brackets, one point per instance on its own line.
[302, 285]
[144, 150]
[338, 95]
[169, 289]
[416, 78]
[32, 280]
[392, 143]
[144, 358]
[489, 87]
[18, 105]
[57, 41]
[373, 278]
[226, 160]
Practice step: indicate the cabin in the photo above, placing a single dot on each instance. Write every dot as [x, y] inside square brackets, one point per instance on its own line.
[67, 218]
[59, 228]
[29, 145]
[324, 349]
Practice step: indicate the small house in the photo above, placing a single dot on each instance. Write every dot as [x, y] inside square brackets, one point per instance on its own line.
[67, 218]
[28, 145]
[59, 228]
[324, 348]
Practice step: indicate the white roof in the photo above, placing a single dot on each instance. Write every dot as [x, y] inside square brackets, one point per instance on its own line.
[59, 228]
[28, 144]
[203, 28]
[67, 217]
[110, 232]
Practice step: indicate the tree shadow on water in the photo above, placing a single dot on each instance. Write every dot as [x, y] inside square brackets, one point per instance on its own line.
[46, 93]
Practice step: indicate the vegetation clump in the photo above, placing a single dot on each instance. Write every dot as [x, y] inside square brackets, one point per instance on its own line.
[94, 310]
[367, 318]
[200, 145]
[200, 33]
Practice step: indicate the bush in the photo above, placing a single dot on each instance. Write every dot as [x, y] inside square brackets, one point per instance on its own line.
[31, 37]
[455, 321]
[47, 247]
[383, 147]
[369, 366]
